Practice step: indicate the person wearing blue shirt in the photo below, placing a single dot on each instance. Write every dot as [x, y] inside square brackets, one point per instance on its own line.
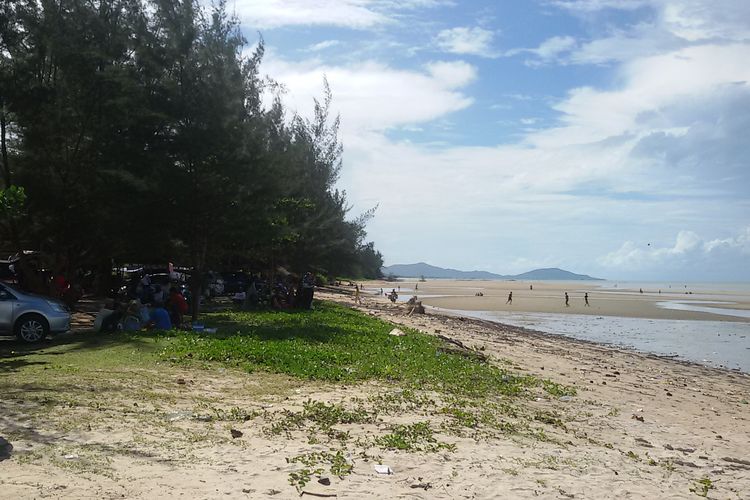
[159, 318]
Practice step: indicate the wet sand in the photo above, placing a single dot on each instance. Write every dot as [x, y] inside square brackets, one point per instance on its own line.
[549, 297]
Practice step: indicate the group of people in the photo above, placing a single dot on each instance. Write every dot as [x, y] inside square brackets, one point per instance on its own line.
[392, 295]
[567, 298]
[293, 293]
[136, 315]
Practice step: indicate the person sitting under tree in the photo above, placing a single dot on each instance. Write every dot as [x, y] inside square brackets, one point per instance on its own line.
[176, 306]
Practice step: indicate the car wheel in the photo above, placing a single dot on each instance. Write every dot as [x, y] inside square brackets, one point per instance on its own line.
[32, 328]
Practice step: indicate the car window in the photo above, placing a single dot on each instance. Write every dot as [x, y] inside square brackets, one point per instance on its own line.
[5, 294]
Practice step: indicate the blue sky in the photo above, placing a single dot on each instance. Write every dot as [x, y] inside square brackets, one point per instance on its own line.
[607, 137]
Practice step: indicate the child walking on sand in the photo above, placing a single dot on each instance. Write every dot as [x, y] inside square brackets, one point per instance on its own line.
[567, 300]
[586, 298]
[510, 298]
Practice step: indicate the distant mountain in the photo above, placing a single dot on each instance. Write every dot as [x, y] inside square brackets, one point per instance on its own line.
[553, 273]
[428, 271]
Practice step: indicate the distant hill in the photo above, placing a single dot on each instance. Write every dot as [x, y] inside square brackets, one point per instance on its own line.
[553, 273]
[428, 271]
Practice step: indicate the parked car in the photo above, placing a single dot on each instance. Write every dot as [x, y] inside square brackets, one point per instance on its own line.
[31, 317]
[235, 282]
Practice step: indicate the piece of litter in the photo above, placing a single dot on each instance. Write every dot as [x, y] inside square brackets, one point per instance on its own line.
[566, 398]
[178, 415]
[72, 456]
[397, 332]
[383, 469]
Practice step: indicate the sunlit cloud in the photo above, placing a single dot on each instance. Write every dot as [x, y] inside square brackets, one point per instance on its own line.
[464, 40]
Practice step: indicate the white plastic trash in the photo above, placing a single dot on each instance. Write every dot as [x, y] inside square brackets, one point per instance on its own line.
[383, 469]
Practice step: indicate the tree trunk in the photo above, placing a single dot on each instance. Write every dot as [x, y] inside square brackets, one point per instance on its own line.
[195, 290]
[199, 272]
[3, 146]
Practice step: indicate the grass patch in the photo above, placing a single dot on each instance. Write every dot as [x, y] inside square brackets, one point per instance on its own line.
[702, 487]
[337, 464]
[317, 416]
[335, 343]
[414, 437]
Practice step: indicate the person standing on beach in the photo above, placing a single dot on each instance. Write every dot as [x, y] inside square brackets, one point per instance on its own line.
[510, 299]
[357, 300]
[567, 300]
[586, 298]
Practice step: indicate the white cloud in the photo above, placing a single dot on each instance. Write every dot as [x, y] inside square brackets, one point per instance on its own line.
[689, 249]
[355, 14]
[464, 40]
[740, 242]
[696, 20]
[596, 5]
[675, 24]
[326, 44]
[549, 50]
[275, 13]
[622, 46]
[551, 47]
[374, 96]
[648, 85]
[453, 74]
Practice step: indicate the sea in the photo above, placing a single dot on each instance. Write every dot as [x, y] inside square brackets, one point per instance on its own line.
[719, 344]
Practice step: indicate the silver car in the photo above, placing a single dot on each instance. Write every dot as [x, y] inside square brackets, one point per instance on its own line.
[31, 317]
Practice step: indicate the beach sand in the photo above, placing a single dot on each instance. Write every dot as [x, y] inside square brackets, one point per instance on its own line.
[639, 427]
[549, 297]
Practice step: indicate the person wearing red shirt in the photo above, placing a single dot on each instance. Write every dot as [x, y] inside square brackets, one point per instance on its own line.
[177, 306]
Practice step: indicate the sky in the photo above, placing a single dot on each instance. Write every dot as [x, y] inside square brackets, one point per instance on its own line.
[605, 137]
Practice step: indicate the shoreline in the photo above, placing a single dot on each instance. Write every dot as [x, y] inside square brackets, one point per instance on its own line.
[500, 322]
[620, 319]
[549, 297]
[340, 296]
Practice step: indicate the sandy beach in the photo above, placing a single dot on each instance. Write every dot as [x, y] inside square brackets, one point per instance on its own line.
[549, 297]
[638, 427]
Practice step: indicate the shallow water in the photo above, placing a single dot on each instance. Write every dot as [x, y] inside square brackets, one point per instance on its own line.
[713, 343]
[682, 306]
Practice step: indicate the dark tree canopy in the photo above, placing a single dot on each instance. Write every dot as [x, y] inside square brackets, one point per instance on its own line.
[135, 131]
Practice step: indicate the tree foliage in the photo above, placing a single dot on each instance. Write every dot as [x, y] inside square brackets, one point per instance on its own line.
[139, 133]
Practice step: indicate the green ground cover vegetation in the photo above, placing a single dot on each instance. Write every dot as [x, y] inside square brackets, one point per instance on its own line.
[334, 343]
[445, 394]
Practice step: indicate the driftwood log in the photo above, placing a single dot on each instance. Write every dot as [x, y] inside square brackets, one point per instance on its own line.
[454, 346]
